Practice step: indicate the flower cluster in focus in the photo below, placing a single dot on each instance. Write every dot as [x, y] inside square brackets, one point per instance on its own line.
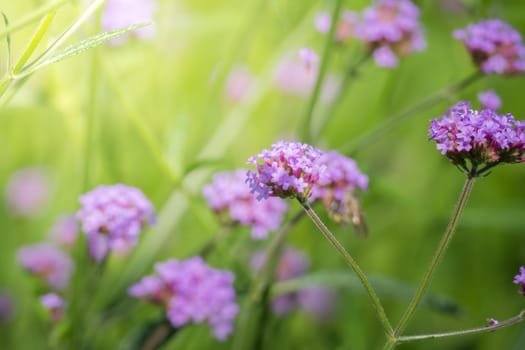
[112, 217]
[483, 138]
[288, 169]
[191, 291]
[494, 45]
[292, 263]
[391, 29]
[231, 199]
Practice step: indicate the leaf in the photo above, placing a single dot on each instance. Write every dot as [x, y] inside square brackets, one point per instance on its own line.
[81, 47]
[385, 288]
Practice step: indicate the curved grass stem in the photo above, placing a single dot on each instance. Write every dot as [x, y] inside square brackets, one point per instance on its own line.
[306, 124]
[376, 303]
[392, 121]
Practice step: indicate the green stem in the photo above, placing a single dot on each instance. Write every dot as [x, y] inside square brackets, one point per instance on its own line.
[33, 16]
[351, 73]
[376, 303]
[253, 312]
[90, 121]
[483, 329]
[307, 120]
[443, 244]
[428, 102]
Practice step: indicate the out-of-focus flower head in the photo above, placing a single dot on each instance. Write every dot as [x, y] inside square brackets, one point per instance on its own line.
[344, 28]
[65, 231]
[112, 218]
[191, 292]
[293, 263]
[475, 141]
[322, 22]
[48, 263]
[288, 169]
[297, 76]
[6, 307]
[28, 192]
[238, 84]
[520, 279]
[489, 100]
[230, 197]
[337, 185]
[391, 29]
[54, 304]
[495, 46]
[120, 14]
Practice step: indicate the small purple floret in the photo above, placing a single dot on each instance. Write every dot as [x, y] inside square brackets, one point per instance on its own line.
[495, 46]
[230, 197]
[489, 100]
[191, 292]
[520, 279]
[112, 218]
[289, 169]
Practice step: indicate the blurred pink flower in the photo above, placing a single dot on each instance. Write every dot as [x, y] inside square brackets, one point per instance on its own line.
[119, 14]
[54, 304]
[238, 84]
[64, 231]
[28, 192]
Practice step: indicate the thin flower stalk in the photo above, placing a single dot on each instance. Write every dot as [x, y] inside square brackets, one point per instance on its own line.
[378, 307]
[443, 244]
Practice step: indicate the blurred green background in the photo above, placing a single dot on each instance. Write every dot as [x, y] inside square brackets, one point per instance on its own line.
[160, 122]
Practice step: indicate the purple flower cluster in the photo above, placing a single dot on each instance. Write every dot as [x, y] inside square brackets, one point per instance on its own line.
[481, 137]
[65, 231]
[112, 217]
[289, 169]
[231, 199]
[489, 100]
[54, 304]
[292, 263]
[391, 29]
[191, 291]
[520, 279]
[48, 263]
[341, 176]
[28, 192]
[494, 45]
[119, 14]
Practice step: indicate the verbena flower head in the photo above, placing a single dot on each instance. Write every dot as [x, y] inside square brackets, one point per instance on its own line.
[48, 263]
[520, 279]
[65, 231]
[293, 263]
[119, 14]
[475, 141]
[489, 100]
[230, 197]
[391, 30]
[288, 169]
[494, 45]
[238, 84]
[28, 192]
[297, 76]
[54, 304]
[322, 22]
[112, 218]
[337, 186]
[191, 292]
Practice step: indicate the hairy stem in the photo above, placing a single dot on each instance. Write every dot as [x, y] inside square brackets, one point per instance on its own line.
[378, 307]
[443, 244]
